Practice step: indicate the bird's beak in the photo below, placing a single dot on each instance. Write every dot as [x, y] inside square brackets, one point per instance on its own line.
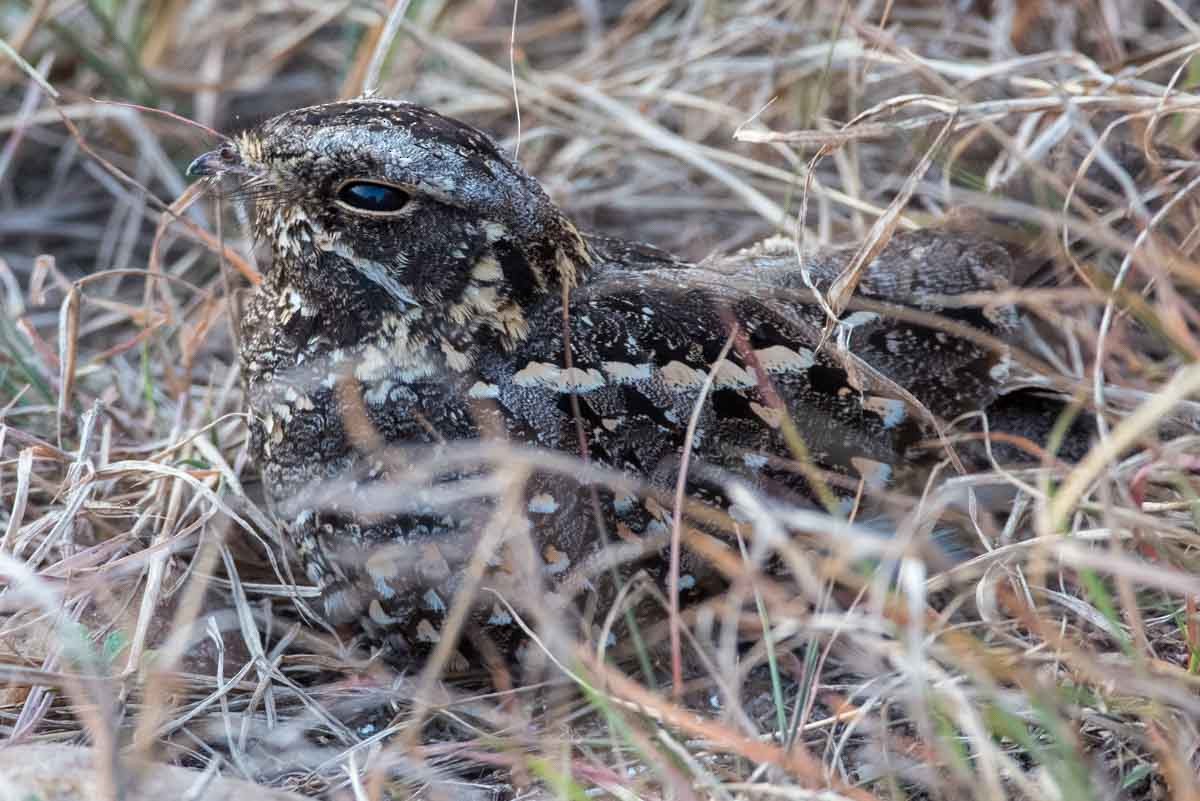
[225, 159]
[208, 164]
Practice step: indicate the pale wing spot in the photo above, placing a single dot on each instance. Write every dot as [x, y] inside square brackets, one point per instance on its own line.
[772, 417]
[293, 303]
[373, 366]
[433, 601]
[477, 300]
[487, 269]
[556, 561]
[780, 359]
[576, 379]
[484, 298]
[625, 373]
[375, 610]
[378, 393]
[384, 590]
[415, 373]
[875, 473]
[511, 321]
[755, 461]
[732, 376]
[859, 318]
[482, 389]
[537, 374]
[678, 375]
[892, 411]
[343, 604]
[455, 359]
[427, 633]
[500, 616]
[543, 504]
[551, 376]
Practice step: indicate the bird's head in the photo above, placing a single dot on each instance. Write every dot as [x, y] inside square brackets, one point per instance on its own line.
[403, 206]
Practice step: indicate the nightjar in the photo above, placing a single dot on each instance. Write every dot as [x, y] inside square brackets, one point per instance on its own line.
[426, 296]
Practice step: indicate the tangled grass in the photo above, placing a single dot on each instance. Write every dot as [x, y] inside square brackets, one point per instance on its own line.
[149, 610]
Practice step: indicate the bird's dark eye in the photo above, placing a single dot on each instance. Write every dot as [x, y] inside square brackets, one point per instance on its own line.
[368, 196]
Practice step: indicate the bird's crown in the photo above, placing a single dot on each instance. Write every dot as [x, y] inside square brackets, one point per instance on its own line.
[392, 205]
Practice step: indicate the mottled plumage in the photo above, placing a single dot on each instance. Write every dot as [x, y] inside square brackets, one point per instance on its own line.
[434, 314]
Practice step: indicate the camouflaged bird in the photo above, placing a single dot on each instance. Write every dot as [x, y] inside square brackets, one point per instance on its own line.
[416, 298]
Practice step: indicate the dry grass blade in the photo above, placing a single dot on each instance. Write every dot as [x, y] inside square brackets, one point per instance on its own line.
[1137, 425]
[383, 43]
[28, 68]
[677, 514]
[660, 138]
[843, 287]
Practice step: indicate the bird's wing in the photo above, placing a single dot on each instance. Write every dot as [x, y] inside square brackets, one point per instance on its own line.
[642, 347]
[928, 311]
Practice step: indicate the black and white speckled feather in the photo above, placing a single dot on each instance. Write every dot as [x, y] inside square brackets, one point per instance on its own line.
[441, 320]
